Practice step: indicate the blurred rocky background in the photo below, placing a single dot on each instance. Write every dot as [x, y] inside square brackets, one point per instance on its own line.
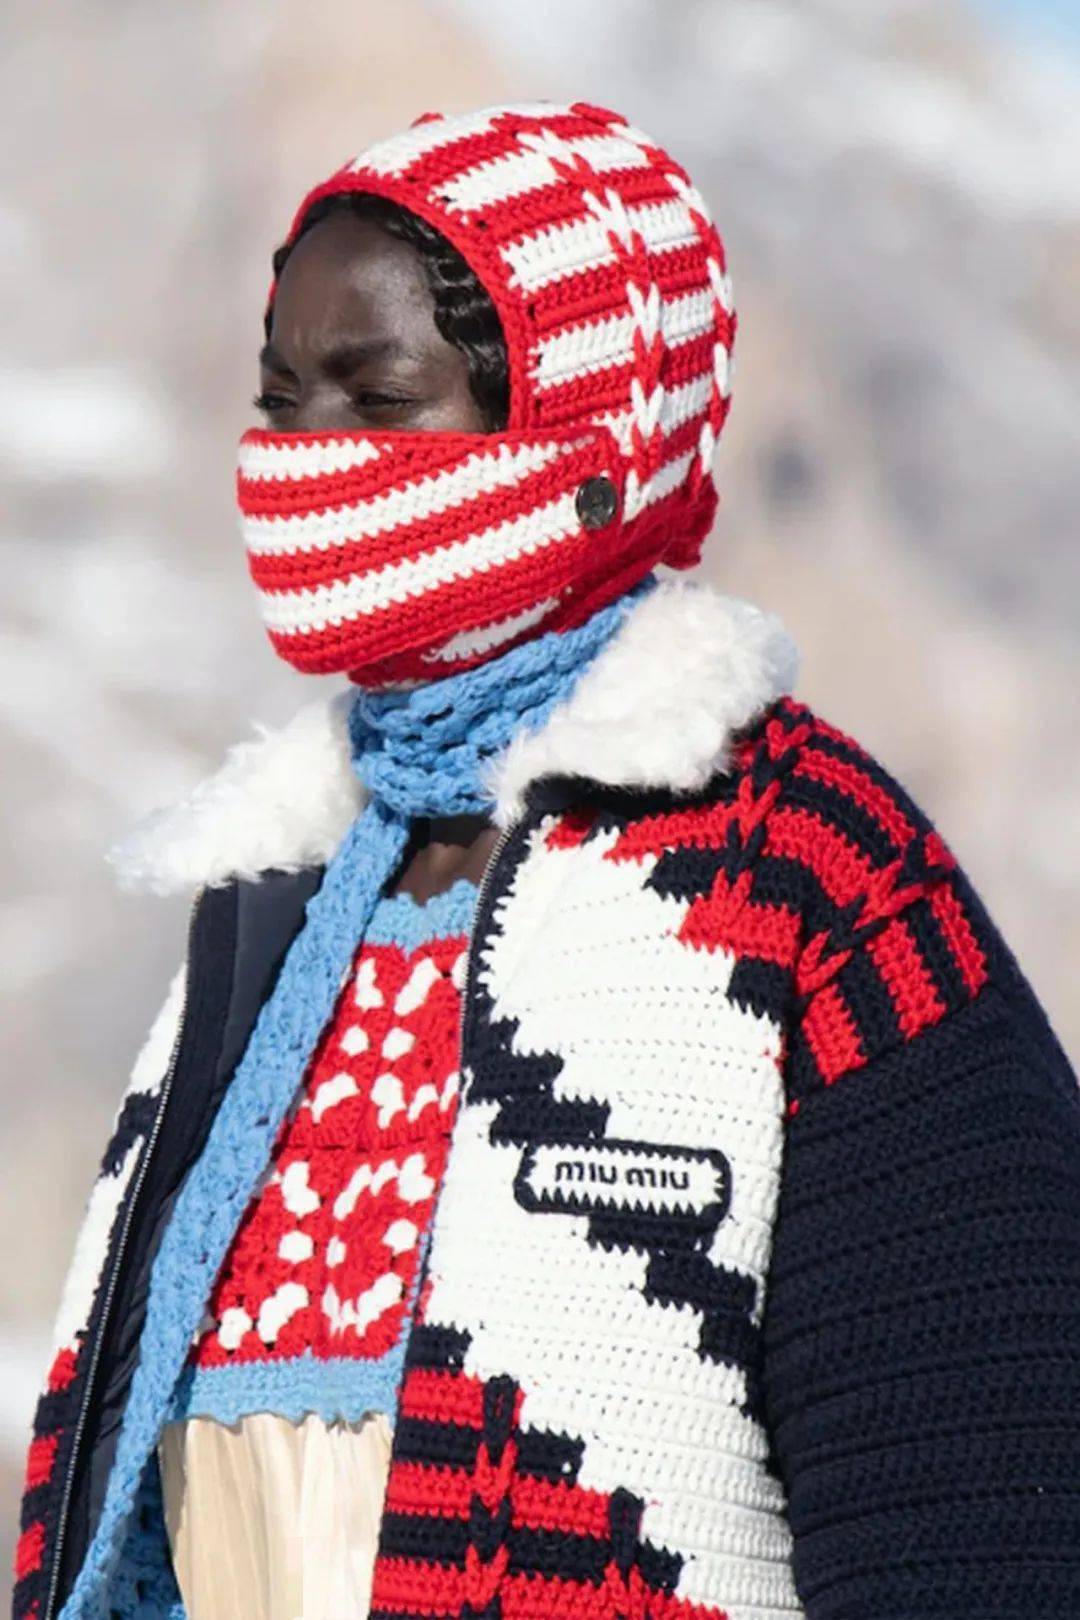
[899, 190]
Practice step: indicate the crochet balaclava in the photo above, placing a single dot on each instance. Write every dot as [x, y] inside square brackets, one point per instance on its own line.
[398, 558]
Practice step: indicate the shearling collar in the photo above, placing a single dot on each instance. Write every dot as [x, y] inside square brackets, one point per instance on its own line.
[687, 668]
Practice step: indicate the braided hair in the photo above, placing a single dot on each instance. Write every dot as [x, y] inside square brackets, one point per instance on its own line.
[464, 313]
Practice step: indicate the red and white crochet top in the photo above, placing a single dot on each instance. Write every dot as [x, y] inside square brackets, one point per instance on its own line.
[324, 1260]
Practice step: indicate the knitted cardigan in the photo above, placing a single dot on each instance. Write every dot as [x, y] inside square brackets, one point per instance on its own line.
[754, 1280]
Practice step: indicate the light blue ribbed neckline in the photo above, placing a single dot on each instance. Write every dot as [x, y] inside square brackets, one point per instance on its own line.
[332, 1387]
[402, 919]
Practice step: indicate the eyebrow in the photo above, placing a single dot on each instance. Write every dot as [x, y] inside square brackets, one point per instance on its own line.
[272, 361]
[340, 361]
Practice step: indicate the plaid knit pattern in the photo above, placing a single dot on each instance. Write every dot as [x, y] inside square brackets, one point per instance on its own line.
[396, 556]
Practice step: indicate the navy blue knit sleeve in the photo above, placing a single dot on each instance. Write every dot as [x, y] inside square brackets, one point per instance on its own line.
[922, 1318]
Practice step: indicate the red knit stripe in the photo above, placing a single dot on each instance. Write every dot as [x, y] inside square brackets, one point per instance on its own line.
[426, 621]
[858, 786]
[822, 728]
[62, 1370]
[30, 1550]
[675, 444]
[832, 1035]
[966, 950]
[434, 1396]
[569, 1510]
[907, 978]
[571, 830]
[426, 1489]
[528, 1597]
[415, 1586]
[700, 827]
[843, 871]
[40, 1456]
[768, 933]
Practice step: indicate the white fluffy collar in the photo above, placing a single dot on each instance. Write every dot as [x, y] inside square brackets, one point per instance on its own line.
[658, 707]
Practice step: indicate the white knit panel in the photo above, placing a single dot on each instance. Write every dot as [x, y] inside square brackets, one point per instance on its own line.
[585, 963]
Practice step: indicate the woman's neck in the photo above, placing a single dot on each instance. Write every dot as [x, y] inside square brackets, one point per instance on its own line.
[443, 849]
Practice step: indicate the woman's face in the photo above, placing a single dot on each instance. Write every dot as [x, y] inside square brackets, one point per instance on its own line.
[353, 341]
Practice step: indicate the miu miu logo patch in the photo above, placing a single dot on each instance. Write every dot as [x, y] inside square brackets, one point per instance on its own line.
[689, 1185]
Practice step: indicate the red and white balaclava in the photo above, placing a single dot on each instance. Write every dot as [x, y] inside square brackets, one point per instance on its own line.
[404, 557]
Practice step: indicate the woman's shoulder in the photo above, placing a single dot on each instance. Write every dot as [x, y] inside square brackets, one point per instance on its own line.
[887, 936]
[858, 850]
[830, 783]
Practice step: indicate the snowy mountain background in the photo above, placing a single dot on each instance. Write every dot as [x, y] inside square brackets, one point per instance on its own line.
[898, 188]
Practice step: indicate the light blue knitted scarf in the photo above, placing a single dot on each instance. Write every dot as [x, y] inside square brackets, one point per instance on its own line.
[419, 753]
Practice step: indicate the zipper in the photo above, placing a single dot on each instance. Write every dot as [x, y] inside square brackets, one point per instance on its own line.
[497, 849]
[114, 1272]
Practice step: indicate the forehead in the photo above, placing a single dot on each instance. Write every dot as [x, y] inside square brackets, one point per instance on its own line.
[347, 275]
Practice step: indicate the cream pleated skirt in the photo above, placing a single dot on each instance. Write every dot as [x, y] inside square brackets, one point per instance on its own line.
[269, 1519]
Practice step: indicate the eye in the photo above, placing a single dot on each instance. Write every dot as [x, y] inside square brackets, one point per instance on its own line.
[271, 403]
[367, 399]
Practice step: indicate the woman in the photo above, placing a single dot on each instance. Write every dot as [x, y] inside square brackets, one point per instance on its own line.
[742, 1277]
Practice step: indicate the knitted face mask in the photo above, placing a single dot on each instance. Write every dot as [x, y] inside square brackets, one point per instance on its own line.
[403, 557]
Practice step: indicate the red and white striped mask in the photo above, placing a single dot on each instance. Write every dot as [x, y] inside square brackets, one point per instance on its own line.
[401, 557]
